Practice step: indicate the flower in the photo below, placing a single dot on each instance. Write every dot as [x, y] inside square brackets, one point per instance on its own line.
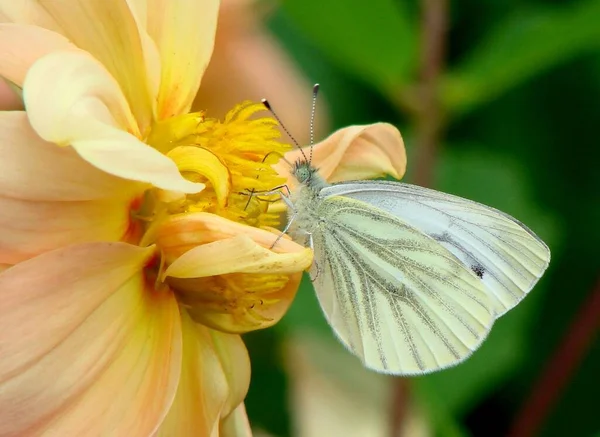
[355, 152]
[131, 254]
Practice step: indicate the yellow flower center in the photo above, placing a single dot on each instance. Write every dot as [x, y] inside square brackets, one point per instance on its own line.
[233, 159]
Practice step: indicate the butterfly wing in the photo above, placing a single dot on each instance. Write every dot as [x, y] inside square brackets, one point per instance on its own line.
[507, 256]
[394, 296]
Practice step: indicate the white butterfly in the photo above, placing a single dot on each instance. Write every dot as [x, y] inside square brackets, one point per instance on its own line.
[411, 279]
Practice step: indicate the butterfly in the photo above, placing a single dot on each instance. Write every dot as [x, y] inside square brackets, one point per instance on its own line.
[410, 279]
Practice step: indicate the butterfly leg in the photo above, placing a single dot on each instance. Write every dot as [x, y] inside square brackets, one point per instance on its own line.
[290, 205]
[275, 190]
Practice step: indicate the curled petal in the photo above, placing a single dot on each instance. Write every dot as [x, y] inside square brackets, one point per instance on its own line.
[231, 248]
[237, 302]
[355, 152]
[215, 377]
[227, 274]
[240, 254]
[184, 32]
[84, 108]
[81, 89]
[21, 45]
[204, 163]
[109, 31]
[180, 234]
[87, 346]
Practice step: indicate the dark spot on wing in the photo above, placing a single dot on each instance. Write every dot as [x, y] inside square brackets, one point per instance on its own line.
[478, 270]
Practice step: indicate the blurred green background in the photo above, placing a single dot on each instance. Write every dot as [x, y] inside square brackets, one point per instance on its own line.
[519, 95]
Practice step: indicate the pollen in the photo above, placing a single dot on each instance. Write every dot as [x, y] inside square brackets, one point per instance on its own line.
[232, 157]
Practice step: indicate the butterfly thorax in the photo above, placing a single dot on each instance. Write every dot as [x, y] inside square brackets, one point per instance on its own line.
[305, 199]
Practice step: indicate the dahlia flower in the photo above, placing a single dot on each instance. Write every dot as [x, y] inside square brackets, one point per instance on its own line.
[131, 253]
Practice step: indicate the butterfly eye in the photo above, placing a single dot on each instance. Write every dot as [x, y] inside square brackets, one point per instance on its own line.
[302, 173]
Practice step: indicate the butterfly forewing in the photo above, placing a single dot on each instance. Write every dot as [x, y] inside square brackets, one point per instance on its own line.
[395, 297]
[507, 256]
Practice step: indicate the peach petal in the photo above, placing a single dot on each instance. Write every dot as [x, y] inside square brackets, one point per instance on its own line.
[36, 170]
[27, 12]
[85, 109]
[86, 346]
[214, 381]
[355, 152]
[205, 163]
[181, 233]
[29, 228]
[109, 31]
[50, 197]
[10, 97]
[184, 32]
[22, 45]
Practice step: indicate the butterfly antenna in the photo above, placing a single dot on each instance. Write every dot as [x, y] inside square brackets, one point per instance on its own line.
[312, 119]
[267, 105]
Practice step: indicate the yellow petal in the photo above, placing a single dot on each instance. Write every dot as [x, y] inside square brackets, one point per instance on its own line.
[184, 32]
[205, 163]
[214, 381]
[109, 31]
[355, 152]
[239, 302]
[88, 348]
[84, 108]
[22, 45]
[239, 254]
[236, 424]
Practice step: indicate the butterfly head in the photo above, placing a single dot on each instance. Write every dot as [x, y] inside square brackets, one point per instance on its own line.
[303, 171]
[308, 175]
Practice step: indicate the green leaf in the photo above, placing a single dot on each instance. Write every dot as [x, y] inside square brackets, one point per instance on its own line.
[372, 39]
[520, 48]
[439, 415]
